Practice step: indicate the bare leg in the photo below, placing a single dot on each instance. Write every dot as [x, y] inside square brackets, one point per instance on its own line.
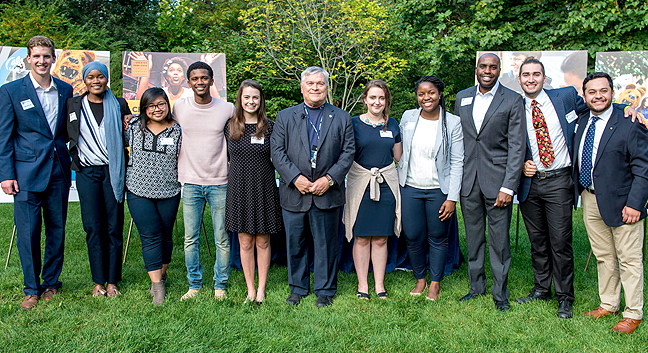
[247, 241]
[165, 267]
[361, 255]
[156, 276]
[263, 260]
[379, 261]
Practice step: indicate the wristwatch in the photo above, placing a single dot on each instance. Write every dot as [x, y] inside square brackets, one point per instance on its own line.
[330, 180]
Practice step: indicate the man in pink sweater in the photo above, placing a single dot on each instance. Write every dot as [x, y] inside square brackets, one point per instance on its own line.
[202, 168]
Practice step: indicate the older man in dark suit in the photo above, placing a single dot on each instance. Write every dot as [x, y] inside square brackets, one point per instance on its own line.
[312, 148]
[35, 167]
[492, 118]
[611, 177]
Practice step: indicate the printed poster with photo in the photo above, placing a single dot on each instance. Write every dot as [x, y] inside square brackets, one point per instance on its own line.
[67, 68]
[562, 67]
[629, 72]
[141, 70]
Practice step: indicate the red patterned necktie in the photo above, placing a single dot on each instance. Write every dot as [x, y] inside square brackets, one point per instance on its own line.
[545, 149]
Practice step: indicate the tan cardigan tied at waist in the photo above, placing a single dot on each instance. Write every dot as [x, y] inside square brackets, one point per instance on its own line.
[357, 181]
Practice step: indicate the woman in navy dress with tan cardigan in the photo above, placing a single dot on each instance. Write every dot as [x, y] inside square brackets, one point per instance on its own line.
[429, 174]
[372, 211]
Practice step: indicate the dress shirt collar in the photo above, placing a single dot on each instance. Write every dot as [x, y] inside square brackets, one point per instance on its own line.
[542, 99]
[52, 85]
[605, 116]
[491, 92]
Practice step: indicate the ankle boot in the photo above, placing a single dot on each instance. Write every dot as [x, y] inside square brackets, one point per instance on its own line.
[164, 278]
[159, 292]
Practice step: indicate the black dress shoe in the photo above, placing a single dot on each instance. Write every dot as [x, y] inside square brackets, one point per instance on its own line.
[469, 296]
[534, 295]
[503, 305]
[323, 301]
[294, 299]
[565, 310]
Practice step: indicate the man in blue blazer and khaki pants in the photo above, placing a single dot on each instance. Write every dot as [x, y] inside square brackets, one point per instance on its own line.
[35, 167]
[611, 176]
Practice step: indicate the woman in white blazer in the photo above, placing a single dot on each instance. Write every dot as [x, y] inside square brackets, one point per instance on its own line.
[429, 175]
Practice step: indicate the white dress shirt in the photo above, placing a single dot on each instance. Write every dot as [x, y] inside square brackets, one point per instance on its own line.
[561, 153]
[422, 172]
[600, 127]
[48, 98]
[481, 104]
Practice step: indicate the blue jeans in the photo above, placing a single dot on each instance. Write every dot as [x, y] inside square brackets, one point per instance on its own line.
[193, 206]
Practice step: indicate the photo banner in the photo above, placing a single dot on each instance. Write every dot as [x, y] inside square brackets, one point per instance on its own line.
[629, 72]
[67, 68]
[562, 67]
[141, 70]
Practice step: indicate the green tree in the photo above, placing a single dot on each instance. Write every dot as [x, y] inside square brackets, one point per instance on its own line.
[345, 37]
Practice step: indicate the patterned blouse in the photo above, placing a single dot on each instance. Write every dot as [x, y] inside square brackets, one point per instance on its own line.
[152, 169]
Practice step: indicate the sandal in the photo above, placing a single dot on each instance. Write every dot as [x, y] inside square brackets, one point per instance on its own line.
[382, 295]
[99, 291]
[363, 296]
[412, 293]
[112, 291]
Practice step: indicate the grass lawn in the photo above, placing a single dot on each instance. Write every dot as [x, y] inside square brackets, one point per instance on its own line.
[77, 322]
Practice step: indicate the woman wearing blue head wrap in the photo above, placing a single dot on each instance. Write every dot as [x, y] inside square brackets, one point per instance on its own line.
[97, 149]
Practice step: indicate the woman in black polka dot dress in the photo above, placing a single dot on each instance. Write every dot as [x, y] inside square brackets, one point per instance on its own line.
[252, 206]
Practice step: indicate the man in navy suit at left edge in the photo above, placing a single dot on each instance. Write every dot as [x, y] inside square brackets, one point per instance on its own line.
[35, 167]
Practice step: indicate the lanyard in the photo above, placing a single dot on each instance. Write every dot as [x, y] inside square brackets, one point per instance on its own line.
[317, 130]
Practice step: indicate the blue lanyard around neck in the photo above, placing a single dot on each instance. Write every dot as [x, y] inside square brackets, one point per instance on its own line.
[317, 130]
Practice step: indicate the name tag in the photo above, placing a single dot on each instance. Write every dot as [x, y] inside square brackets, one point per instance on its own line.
[256, 140]
[410, 125]
[73, 116]
[466, 101]
[27, 104]
[166, 141]
[387, 134]
[571, 116]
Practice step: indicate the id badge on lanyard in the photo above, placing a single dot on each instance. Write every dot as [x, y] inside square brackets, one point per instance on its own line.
[313, 156]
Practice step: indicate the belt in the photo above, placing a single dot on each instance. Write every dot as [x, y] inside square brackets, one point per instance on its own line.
[553, 173]
[591, 191]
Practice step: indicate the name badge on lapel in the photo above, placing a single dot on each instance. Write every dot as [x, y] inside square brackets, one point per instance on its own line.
[466, 101]
[387, 134]
[27, 104]
[571, 116]
[410, 125]
[73, 116]
[256, 140]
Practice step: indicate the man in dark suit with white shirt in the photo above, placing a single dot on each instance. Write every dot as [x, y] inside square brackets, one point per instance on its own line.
[35, 167]
[312, 147]
[611, 177]
[492, 118]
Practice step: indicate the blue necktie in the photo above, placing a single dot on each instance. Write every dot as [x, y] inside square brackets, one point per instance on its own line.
[586, 158]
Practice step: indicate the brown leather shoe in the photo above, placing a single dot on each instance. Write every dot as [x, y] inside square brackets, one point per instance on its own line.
[30, 301]
[626, 325]
[599, 313]
[49, 294]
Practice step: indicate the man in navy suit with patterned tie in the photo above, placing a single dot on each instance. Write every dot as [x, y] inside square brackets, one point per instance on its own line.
[611, 177]
[35, 167]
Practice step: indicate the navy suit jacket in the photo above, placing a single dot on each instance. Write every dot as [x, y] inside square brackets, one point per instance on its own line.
[565, 101]
[291, 156]
[28, 148]
[620, 170]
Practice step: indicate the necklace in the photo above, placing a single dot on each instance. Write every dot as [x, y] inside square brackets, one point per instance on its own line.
[366, 120]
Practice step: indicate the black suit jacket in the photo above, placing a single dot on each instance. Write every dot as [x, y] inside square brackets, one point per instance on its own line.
[73, 105]
[291, 156]
[620, 170]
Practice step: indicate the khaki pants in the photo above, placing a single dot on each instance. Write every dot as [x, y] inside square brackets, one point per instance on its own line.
[618, 260]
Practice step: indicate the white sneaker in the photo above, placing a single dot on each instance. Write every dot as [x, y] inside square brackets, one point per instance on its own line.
[220, 294]
[190, 294]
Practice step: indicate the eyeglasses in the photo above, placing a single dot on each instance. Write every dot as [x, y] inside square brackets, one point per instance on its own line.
[160, 106]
